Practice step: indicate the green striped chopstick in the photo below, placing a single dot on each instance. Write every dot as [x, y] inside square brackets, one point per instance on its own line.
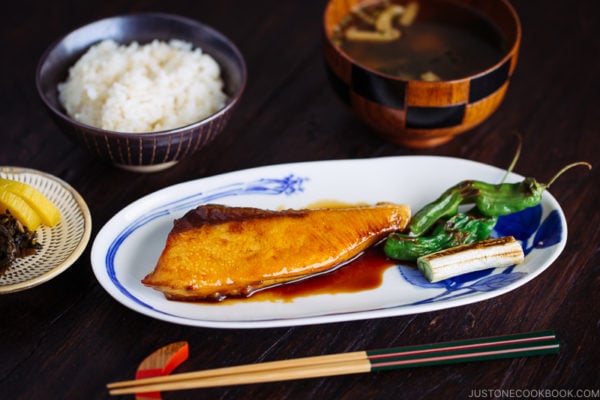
[488, 348]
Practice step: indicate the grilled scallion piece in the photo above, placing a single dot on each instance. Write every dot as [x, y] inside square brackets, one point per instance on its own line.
[485, 254]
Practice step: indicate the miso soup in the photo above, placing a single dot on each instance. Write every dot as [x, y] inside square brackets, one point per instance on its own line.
[421, 40]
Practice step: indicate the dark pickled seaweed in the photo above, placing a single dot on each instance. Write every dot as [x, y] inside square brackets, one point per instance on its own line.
[16, 241]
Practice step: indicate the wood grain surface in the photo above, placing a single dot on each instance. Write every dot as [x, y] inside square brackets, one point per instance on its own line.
[67, 338]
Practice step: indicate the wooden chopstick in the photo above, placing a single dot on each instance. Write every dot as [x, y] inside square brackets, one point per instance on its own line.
[241, 369]
[527, 344]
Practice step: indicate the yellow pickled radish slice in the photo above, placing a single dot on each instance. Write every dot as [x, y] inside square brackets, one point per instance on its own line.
[19, 209]
[47, 211]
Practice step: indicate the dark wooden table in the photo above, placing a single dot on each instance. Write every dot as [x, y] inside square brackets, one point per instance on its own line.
[67, 338]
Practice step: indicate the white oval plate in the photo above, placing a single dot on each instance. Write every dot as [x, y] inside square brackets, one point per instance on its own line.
[61, 245]
[128, 246]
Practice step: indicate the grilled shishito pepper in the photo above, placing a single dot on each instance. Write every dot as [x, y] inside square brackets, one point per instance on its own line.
[439, 225]
[445, 206]
[460, 229]
[492, 200]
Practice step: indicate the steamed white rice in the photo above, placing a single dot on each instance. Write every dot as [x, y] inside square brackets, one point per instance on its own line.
[142, 88]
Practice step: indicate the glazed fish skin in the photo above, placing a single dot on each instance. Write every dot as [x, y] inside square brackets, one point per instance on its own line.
[216, 251]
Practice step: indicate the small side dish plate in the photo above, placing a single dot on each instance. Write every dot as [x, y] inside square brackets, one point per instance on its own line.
[62, 244]
[128, 246]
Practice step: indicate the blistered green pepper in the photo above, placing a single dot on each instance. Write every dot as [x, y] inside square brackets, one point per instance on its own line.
[492, 200]
[445, 206]
[460, 229]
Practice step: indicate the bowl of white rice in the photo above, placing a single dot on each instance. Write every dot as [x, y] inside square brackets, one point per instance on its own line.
[142, 91]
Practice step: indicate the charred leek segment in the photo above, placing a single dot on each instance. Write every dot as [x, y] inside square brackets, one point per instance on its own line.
[491, 253]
